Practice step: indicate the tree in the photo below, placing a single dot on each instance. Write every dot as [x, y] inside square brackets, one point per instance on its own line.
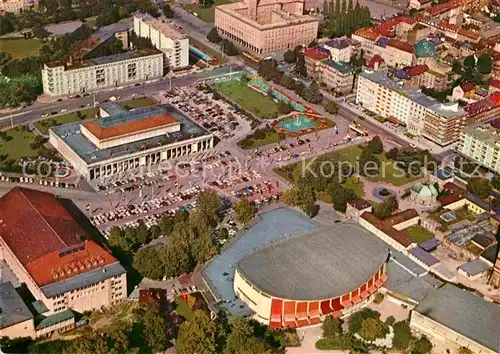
[284, 108]
[331, 327]
[495, 182]
[402, 335]
[142, 233]
[457, 67]
[213, 36]
[369, 165]
[375, 145]
[484, 62]
[390, 320]
[197, 335]
[166, 225]
[244, 211]
[356, 319]
[290, 56]
[422, 346]
[288, 82]
[470, 62]
[289, 197]
[480, 187]
[167, 11]
[372, 329]
[392, 154]
[155, 328]
[148, 262]
[331, 107]
[209, 207]
[242, 339]
[385, 209]
[300, 66]
[228, 47]
[340, 196]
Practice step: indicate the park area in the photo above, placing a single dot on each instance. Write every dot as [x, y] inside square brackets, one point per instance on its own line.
[249, 99]
[20, 47]
[16, 145]
[206, 13]
[44, 125]
[418, 234]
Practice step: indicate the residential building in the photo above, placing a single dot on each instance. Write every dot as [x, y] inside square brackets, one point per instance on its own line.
[16, 6]
[340, 49]
[395, 53]
[457, 315]
[66, 270]
[481, 143]
[129, 140]
[422, 115]
[173, 44]
[334, 74]
[64, 78]
[313, 58]
[357, 207]
[367, 38]
[463, 92]
[267, 25]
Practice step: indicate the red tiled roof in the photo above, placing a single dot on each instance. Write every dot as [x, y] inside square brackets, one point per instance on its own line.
[447, 6]
[373, 60]
[417, 70]
[495, 83]
[495, 98]
[316, 53]
[360, 204]
[404, 46]
[37, 228]
[386, 225]
[467, 87]
[367, 33]
[129, 127]
[53, 267]
[34, 223]
[469, 34]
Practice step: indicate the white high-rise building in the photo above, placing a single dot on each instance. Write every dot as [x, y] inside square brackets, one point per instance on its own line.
[63, 78]
[171, 42]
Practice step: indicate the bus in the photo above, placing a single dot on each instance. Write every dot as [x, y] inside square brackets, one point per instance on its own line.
[251, 57]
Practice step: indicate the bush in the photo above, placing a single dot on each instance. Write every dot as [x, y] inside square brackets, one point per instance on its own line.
[311, 209]
[390, 320]
[379, 297]
[357, 318]
[332, 327]
[343, 342]
[402, 335]
[422, 346]
[372, 329]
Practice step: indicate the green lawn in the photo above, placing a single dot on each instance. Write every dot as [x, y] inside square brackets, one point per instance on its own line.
[44, 125]
[182, 308]
[418, 234]
[206, 13]
[138, 103]
[20, 47]
[248, 99]
[351, 154]
[19, 146]
[357, 187]
[270, 138]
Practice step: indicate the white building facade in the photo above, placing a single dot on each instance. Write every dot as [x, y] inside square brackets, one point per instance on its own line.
[171, 42]
[101, 73]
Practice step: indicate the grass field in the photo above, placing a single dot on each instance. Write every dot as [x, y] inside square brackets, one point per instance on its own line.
[357, 187]
[206, 13]
[387, 170]
[44, 125]
[271, 137]
[418, 234]
[20, 47]
[248, 99]
[138, 103]
[19, 146]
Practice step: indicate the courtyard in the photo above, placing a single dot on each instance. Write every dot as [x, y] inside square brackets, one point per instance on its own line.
[418, 234]
[206, 13]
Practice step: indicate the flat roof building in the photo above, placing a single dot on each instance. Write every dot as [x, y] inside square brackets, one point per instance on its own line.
[130, 140]
[451, 313]
[78, 76]
[267, 25]
[164, 37]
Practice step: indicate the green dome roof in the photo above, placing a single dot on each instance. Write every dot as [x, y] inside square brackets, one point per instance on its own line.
[425, 190]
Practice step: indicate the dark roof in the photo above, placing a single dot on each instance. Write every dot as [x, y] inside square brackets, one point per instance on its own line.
[465, 313]
[14, 310]
[338, 43]
[359, 203]
[55, 318]
[490, 253]
[30, 218]
[424, 256]
[478, 201]
[482, 240]
[322, 265]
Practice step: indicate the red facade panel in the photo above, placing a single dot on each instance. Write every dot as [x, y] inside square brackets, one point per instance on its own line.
[289, 314]
[276, 310]
[301, 312]
[325, 307]
[336, 306]
[302, 323]
[314, 309]
[314, 320]
[363, 287]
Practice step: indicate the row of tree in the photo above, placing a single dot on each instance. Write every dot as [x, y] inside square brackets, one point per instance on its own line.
[342, 19]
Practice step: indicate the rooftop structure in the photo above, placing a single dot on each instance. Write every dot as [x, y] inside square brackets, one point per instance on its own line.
[317, 53]
[425, 49]
[13, 308]
[267, 25]
[325, 264]
[462, 312]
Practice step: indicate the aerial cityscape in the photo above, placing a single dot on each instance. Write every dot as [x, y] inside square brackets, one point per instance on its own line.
[250, 176]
